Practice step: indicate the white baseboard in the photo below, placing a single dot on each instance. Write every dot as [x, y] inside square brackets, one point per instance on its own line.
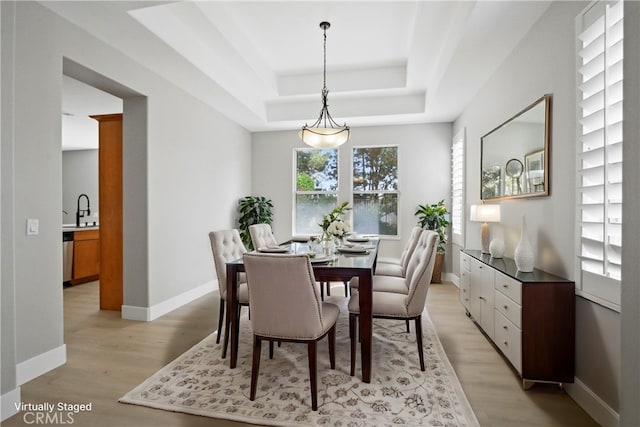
[147, 314]
[41, 364]
[592, 404]
[8, 403]
[450, 277]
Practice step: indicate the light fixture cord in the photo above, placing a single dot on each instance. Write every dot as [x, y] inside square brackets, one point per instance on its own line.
[324, 76]
[325, 91]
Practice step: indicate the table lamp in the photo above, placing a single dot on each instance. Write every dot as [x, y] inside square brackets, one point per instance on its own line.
[485, 214]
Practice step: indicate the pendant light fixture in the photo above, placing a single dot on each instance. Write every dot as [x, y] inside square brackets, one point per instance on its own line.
[325, 132]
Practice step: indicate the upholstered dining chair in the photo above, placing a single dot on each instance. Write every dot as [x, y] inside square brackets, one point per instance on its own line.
[398, 266]
[386, 272]
[392, 305]
[286, 306]
[226, 246]
[262, 236]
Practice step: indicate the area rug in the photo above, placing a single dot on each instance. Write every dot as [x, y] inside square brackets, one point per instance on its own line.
[200, 382]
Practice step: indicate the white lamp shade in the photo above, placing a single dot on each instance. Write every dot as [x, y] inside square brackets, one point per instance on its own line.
[485, 213]
[324, 137]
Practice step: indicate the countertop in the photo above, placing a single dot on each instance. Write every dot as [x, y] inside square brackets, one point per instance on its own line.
[508, 267]
[73, 227]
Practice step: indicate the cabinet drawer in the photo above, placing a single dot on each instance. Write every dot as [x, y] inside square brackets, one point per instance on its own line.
[86, 235]
[464, 289]
[465, 262]
[508, 338]
[508, 308]
[508, 286]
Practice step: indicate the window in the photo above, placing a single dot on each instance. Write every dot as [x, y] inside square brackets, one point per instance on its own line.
[599, 161]
[375, 190]
[316, 191]
[457, 188]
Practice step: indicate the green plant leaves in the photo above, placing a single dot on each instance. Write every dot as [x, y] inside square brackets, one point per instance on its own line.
[253, 210]
[434, 217]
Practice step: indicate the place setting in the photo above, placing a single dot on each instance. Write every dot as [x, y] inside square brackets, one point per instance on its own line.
[274, 249]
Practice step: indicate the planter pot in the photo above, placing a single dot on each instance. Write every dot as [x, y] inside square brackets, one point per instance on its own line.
[436, 277]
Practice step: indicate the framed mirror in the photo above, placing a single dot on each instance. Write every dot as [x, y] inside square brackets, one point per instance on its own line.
[515, 156]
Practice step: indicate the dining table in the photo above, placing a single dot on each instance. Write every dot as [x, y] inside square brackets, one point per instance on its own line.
[338, 265]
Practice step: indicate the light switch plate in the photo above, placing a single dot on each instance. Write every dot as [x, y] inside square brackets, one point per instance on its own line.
[33, 227]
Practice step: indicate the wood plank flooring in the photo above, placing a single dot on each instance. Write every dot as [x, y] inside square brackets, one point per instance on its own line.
[108, 356]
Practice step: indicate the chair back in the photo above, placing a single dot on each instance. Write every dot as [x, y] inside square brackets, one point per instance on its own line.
[409, 248]
[419, 271]
[285, 302]
[262, 236]
[226, 246]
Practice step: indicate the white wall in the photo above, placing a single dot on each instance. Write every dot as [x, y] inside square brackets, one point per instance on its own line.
[198, 163]
[79, 176]
[544, 63]
[424, 165]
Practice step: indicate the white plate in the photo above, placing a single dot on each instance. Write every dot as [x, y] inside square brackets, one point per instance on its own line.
[357, 239]
[319, 259]
[348, 250]
[278, 250]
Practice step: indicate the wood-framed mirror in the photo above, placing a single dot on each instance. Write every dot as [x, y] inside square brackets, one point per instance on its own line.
[514, 157]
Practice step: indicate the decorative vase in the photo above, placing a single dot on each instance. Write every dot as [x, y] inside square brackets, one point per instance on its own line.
[523, 255]
[496, 248]
[328, 247]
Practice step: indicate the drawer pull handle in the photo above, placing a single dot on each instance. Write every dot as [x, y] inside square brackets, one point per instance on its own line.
[505, 343]
[481, 298]
[505, 327]
[505, 285]
[505, 307]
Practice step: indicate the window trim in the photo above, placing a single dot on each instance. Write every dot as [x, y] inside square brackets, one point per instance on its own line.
[295, 192]
[398, 192]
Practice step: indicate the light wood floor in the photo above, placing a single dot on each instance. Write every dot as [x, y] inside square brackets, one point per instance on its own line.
[108, 356]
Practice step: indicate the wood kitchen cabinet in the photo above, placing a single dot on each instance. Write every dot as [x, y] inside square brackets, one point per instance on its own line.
[86, 256]
[530, 317]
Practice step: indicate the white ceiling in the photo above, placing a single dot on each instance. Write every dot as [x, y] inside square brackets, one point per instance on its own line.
[260, 62]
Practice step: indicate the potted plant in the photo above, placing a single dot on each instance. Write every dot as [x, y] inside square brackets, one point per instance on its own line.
[435, 217]
[253, 210]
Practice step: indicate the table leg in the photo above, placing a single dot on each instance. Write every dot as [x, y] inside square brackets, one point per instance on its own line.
[232, 307]
[366, 318]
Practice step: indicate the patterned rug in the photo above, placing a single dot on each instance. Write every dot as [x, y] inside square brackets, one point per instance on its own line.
[200, 382]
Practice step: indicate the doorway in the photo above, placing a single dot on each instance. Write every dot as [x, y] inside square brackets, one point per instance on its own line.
[132, 210]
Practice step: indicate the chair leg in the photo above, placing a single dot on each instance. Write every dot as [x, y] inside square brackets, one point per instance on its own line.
[313, 374]
[322, 284]
[332, 347]
[220, 319]
[419, 341]
[270, 349]
[227, 326]
[408, 329]
[346, 288]
[255, 366]
[328, 288]
[353, 321]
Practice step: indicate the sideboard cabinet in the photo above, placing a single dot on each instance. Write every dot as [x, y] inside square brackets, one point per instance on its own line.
[530, 317]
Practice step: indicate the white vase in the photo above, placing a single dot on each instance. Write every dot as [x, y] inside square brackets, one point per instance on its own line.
[496, 248]
[523, 255]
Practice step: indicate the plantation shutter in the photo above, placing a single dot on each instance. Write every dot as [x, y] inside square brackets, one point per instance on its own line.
[457, 188]
[599, 162]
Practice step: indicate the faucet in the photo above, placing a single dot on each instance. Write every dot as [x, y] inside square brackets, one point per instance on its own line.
[80, 213]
